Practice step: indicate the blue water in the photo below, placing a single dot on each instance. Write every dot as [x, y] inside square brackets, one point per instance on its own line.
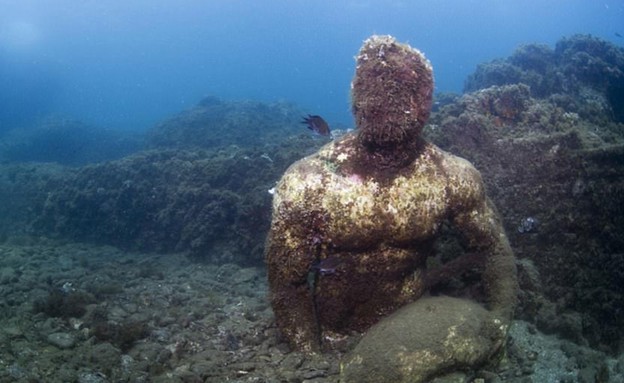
[128, 64]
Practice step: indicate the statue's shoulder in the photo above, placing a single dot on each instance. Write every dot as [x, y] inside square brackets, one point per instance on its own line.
[463, 179]
[338, 151]
[303, 182]
[454, 166]
[305, 170]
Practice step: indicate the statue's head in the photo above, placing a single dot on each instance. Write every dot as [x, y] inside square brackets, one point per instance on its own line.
[391, 94]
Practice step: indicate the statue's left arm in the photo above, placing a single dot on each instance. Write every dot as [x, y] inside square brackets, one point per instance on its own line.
[481, 227]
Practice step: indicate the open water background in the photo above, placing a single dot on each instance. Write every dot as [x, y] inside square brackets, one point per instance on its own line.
[128, 64]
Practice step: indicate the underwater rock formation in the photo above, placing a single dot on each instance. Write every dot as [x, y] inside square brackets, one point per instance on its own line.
[213, 204]
[26, 187]
[217, 123]
[371, 204]
[587, 70]
[543, 159]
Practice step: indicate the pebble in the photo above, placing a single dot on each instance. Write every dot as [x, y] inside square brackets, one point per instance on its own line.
[7, 275]
[92, 377]
[13, 331]
[314, 374]
[127, 362]
[16, 372]
[244, 275]
[62, 340]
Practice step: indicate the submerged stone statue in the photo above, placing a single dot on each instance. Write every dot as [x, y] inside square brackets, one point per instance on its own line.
[354, 224]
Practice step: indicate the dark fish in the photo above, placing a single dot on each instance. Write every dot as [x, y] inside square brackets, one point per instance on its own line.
[618, 35]
[317, 125]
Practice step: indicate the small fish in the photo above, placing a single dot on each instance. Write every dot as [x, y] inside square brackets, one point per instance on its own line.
[317, 125]
[322, 267]
[618, 35]
[327, 266]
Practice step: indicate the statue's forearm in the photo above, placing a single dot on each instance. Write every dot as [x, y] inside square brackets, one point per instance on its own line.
[500, 279]
[292, 297]
[294, 313]
[485, 234]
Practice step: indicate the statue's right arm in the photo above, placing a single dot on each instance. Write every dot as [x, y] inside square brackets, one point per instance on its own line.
[289, 259]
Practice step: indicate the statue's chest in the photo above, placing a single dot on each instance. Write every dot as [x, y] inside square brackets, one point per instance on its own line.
[406, 211]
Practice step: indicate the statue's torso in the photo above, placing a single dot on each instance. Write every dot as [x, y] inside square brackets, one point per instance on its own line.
[372, 236]
[361, 212]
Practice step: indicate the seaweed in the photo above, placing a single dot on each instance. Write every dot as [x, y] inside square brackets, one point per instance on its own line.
[62, 304]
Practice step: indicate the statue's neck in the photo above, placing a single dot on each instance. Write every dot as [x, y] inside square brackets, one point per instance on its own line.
[385, 163]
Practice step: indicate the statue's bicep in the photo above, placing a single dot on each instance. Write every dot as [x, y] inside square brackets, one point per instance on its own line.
[479, 225]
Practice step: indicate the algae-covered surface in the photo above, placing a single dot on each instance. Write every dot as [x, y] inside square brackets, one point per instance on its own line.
[75, 312]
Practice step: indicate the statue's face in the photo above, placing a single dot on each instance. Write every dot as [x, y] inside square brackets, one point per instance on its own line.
[391, 93]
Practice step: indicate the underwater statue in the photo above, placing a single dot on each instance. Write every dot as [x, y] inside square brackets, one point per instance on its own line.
[354, 226]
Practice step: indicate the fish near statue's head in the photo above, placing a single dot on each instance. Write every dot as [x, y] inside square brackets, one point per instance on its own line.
[317, 125]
